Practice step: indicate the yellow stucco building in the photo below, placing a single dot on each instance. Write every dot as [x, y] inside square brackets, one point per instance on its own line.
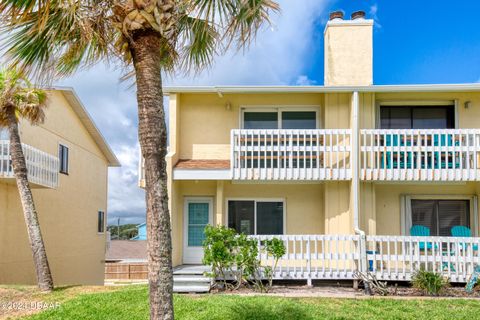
[67, 162]
[347, 171]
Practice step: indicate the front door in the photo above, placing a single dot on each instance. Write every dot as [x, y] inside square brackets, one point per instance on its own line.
[197, 214]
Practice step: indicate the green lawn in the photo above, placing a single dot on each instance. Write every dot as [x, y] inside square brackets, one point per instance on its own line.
[130, 303]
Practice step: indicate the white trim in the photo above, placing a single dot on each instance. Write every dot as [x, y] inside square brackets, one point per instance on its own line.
[279, 109]
[452, 87]
[456, 115]
[255, 200]
[406, 208]
[416, 102]
[199, 174]
[186, 249]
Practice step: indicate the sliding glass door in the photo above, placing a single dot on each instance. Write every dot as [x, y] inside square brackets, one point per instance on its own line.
[256, 216]
[417, 117]
[440, 215]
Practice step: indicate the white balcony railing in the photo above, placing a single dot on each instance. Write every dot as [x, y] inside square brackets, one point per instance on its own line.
[42, 168]
[420, 155]
[290, 154]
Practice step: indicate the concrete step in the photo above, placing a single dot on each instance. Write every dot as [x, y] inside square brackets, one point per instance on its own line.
[199, 270]
[192, 278]
[190, 288]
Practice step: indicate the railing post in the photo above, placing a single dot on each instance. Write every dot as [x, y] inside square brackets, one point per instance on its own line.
[309, 263]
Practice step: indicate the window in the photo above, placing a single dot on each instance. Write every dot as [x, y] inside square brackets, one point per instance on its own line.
[280, 119]
[299, 120]
[417, 117]
[260, 120]
[440, 215]
[63, 156]
[256, 217]
[101, 222]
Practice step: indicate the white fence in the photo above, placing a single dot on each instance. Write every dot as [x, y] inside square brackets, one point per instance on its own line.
[290, 154]
[393, 258]
[42, 168]
[420, 155]
[315, 256]
[397, 258]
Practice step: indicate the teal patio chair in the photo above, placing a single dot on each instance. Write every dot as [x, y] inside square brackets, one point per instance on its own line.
[422, 231]
[463, 232]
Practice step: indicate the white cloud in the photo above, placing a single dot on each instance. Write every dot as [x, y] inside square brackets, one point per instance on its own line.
[280, 55]
[373, 13]
[303, 80]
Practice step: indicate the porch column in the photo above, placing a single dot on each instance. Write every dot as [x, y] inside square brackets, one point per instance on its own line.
[219, 204]
[355, 163]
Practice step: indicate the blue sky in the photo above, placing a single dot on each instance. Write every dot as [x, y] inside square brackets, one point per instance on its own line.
[414, 42]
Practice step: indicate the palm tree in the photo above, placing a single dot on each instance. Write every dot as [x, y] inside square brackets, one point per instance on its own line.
[20, 100]
[153, 37]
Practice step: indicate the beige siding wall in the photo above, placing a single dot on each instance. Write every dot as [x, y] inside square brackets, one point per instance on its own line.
[68, 215]
[205, 122]
[388, 207]
[304, 205]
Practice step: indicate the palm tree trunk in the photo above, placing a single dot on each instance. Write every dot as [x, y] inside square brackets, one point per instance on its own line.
[152, 132]
[42, 269]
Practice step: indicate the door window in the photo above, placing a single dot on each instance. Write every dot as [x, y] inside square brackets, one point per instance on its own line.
[197, 221]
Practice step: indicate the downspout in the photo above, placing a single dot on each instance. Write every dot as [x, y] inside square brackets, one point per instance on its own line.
[356, 183]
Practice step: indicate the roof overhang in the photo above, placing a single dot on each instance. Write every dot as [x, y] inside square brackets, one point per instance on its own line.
[82, 113]
[465, 87]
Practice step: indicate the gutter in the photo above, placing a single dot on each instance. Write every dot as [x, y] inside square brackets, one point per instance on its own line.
[456, 87]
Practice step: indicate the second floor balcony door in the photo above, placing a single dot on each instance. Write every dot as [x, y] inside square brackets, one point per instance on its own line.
[417, 117]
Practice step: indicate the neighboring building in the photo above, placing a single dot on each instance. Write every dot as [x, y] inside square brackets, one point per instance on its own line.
[126, 251]
[141, 232]
[67, 161]
[320, 165]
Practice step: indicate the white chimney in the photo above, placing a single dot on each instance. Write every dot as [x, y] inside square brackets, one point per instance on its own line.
[348, 50]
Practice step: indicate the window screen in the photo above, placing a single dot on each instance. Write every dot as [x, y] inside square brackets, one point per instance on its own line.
[441, 215]
[269, 217]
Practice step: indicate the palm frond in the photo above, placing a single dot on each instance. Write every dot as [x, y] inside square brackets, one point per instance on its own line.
[200, 41]
[57, 43]
[20, 97]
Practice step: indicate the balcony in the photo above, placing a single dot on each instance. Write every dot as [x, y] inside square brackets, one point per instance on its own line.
[293, 155]
[420, 155]
[42, 167]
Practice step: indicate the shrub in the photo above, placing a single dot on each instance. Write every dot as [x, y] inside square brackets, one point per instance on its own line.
[431, 283]
[219, 247]
[236, 255]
